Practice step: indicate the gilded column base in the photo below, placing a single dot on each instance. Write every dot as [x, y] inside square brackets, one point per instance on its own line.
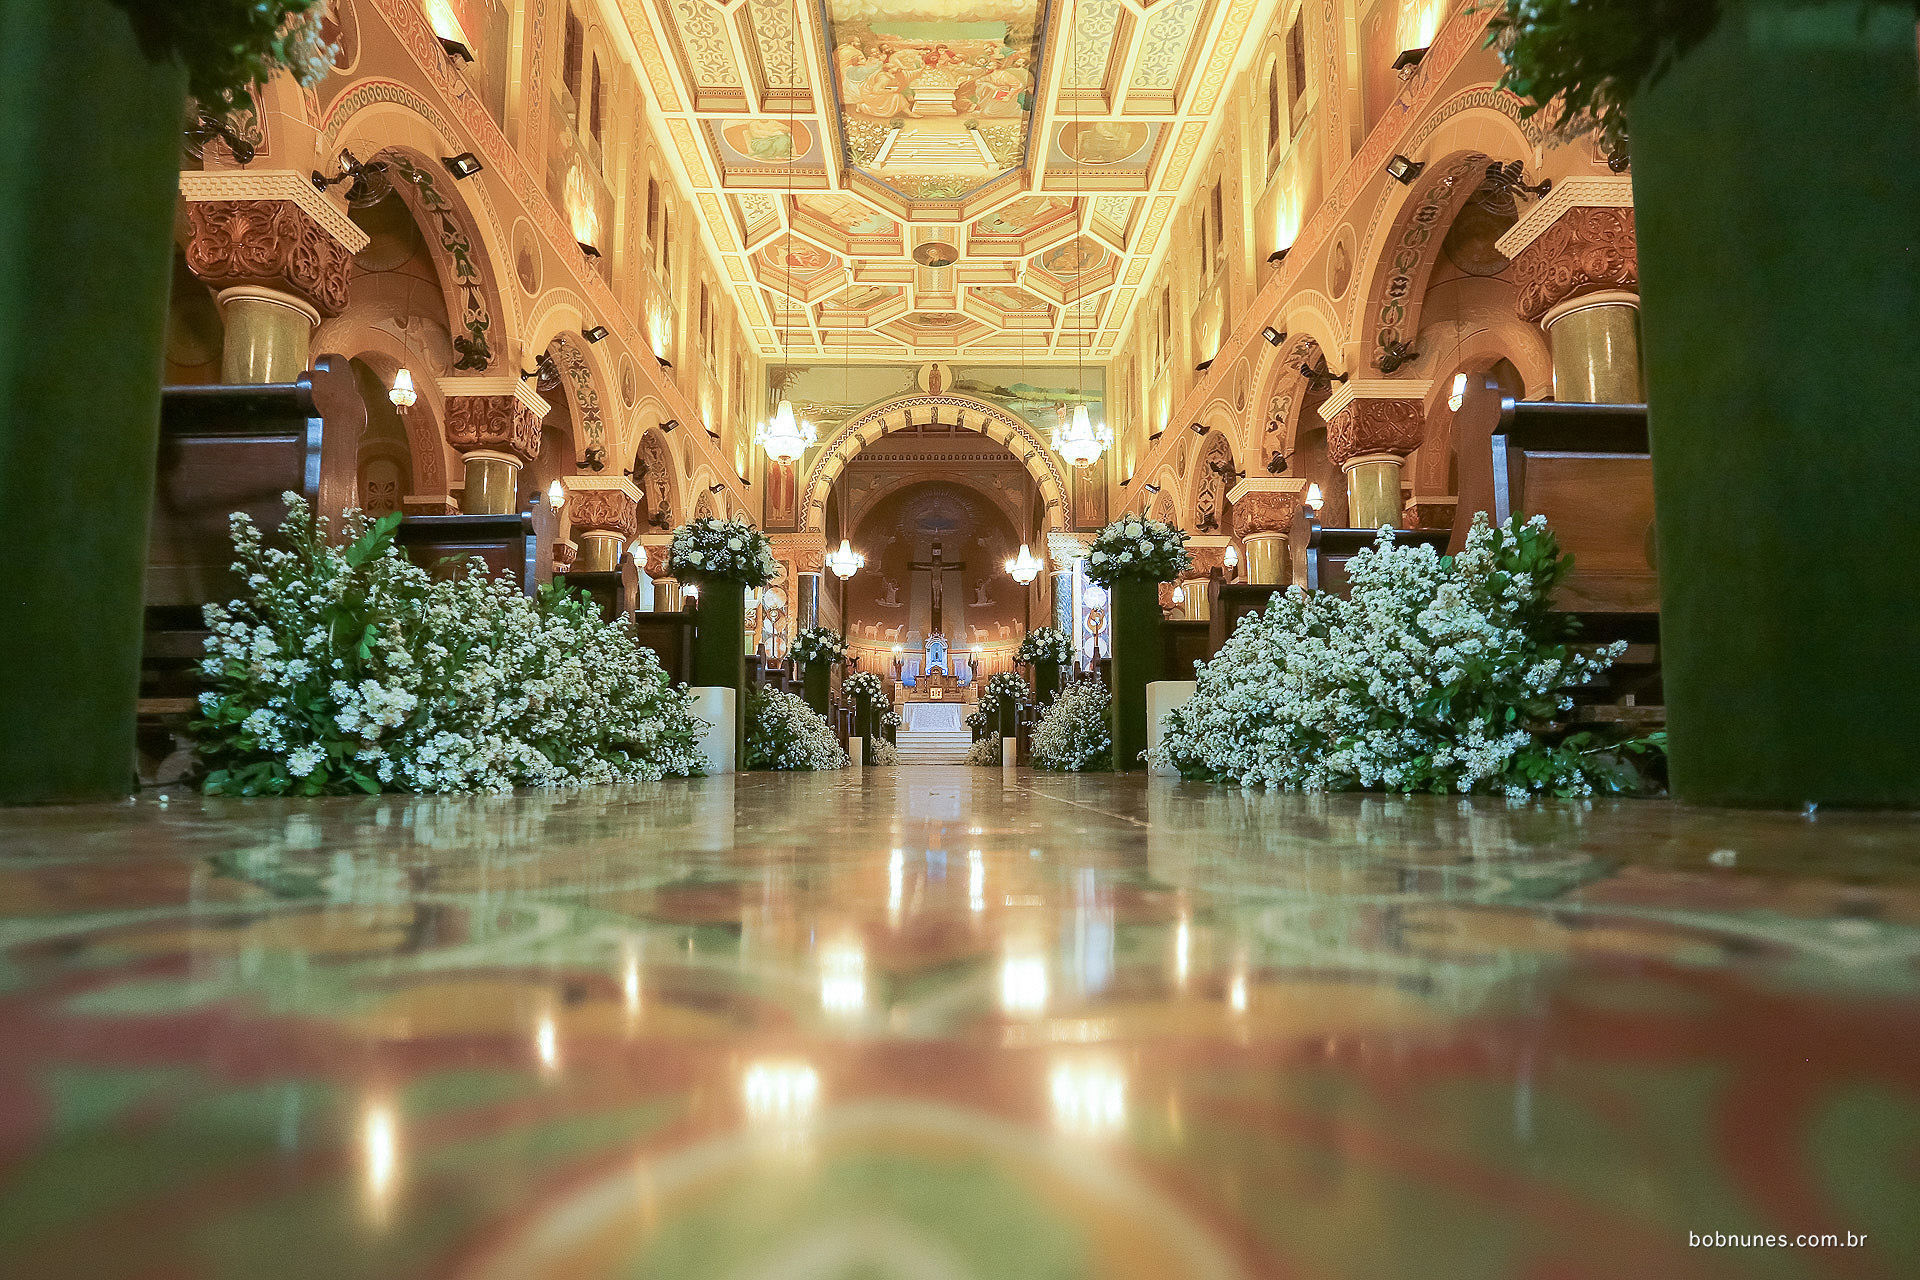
[269, 336]
[1265, 560]
[599, 551]
[493, 484]
[1595, 340]
[1373, 490]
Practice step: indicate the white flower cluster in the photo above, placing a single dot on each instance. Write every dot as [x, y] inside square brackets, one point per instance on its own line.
[1047, 644]
[864, 686]
[783, 732]
[818, 644]
[884, 752]
[1007, 686]
[986, 752]
[1135, 547]
[1074, 734]
[1438, 674]
[725, 550]
[891, 720]
[347, 668]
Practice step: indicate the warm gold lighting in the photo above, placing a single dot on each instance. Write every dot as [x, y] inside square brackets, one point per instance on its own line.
[1315, 499]
[1023, 984]
[1089, 1098]
[1081, 441]
[403, 395]
[787, 436]
[1025, 567]
[846, 561]
[781, 1093]
[1458, 395]
[556, 495]
[843, 978]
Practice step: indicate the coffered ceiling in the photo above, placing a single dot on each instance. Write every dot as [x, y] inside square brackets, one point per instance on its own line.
[922, 178]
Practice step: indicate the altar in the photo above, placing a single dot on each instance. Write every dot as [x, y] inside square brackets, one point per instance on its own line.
[924, 717]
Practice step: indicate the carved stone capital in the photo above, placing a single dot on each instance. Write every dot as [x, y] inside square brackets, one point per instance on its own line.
[500, 423]
[268, 244]
[1368, 425]
[1205, 561]
[1588, 250]
[807, 552]
[1429, 513]
[598, 504]
[564, 552]
[657, 560]
[1266, 505]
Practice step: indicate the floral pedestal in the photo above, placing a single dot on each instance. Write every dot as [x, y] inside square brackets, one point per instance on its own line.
[89, 177]
[1046, 682]
[1777, 273]
[817, 685]
[719, 645]
[1138, 656]
[866, 720]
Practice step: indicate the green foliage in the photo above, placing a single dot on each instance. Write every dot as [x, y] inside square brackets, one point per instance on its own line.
[231, 46]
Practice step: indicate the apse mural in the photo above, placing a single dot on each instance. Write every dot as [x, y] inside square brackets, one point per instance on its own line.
[935, 95]
[936, 557]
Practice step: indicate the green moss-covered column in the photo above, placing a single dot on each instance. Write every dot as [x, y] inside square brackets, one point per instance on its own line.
[1046, 682]
[817, 684]
[89, 176]
[720, 646]
[1777, 194]
[1137, 659]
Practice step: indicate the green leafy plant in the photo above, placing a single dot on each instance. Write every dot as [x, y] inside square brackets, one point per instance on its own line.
[231, 47]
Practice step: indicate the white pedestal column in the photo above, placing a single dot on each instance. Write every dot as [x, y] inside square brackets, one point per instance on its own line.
[1162, 697]
[716, 705]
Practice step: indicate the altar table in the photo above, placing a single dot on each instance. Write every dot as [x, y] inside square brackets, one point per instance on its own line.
[925, 716]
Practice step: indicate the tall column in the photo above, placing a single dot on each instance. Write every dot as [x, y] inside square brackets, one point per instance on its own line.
[495, 425]
[1064, 550]
[605, 514]
[807, 552]
[1208, 552]
[1576, 262]
[667, 596]
[1263, 510]
[279, 254]
[1371, 428]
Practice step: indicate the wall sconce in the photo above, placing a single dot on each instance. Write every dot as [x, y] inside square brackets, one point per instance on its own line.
[455, 50]
[1277, 463]
[1315, 499]
[588, 249]
[464, 165]
[597, 333]
[1273, 336]
[1179, 593]
[1403, 170]
[692, 591]
[1409, 60]
[1457, 394]
[1230, 557]
[556, 495]
[403, 395]
[544, 369]
[368, 183]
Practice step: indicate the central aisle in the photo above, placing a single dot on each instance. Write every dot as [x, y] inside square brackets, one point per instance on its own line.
[948, 1022]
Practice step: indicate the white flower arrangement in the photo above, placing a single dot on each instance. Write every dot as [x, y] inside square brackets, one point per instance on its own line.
[1047, 644]
[891, 720]
[818, 644]
[1074, 735]
[783, 732]
[346, 668]
[1007, 686]
[985, 752]
[864, 686]
[884, 752]
[1439, 674]
[1136, 547]
[712, 549]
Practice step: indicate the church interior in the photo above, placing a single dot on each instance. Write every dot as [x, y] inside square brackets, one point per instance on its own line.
[883, 638]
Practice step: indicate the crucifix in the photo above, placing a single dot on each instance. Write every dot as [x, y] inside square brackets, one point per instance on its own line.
[937, 568]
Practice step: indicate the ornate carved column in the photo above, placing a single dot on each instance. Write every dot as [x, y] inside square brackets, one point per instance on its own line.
[1208, 551]
[495, 425]
[667, 596]
[1371, 428]
[808, 553]
[1264, 509]
[280, 254]
[1578, 269]
[1065, 550]
[605, 513]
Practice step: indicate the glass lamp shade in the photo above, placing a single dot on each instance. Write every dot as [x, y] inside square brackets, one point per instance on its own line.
[556, 495]
[1179, 593]
[1230, 557]
[1081, 442]
[403, 395]
[846, 561]
[1025, 567]
[1315, 498]
[787, 436]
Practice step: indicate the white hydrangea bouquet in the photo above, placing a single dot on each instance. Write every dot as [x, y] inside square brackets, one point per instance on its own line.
[1134, 547]
[1438, 674]
[818, 644]
[1003, 689]
[722, 550]
[784, 733]
[864, 686]
[1047, 644]
[345, 668]
[1074, 735]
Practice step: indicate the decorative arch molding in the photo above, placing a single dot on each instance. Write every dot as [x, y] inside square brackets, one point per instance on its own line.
[472, 297]
[1212, 475]
[355, 337]
[1284, 398]
[379, 115]
[577, 375]
[1016, 518]
[999, 425]
[1456, 143]
[660, 478]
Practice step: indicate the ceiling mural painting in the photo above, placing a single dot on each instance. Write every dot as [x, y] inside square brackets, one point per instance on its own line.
[933, 178]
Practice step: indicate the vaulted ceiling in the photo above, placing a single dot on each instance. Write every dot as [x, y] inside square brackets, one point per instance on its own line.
[921, 178]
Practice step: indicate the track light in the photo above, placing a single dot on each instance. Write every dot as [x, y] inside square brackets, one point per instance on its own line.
[1409, 59]
[1273, 336]
[595, 333]
[1196, 428]
[455, 50]
[587, 249]
[1278, 255]
[1204, 365]
[1403, 170]
[464, 165]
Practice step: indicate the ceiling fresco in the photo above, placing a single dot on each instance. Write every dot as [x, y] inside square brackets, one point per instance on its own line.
[902, 179]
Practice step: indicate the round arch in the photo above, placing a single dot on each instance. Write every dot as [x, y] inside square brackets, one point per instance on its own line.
[997, 424]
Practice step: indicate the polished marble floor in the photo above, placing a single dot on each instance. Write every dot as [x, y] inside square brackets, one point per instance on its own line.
[949, 1022]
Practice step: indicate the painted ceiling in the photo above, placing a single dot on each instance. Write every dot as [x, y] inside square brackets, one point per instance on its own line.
[937, 178]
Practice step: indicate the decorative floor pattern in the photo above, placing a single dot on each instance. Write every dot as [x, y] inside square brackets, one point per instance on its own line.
[942, 1023]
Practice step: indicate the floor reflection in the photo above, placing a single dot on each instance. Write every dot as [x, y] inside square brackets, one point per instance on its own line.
[953, 1022]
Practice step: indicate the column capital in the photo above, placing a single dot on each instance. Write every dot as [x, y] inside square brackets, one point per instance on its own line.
[602, 504]
[807, 551]
[564, 552]
[498, 423]
[1427, 512]
[1579, 240]
[656, 546]
[1268, 504]
[1379, 416]
[282, 241]
[1065, 548]
[519, 388]
[1206, 558]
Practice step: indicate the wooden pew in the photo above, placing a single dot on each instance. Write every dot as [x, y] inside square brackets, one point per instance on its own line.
[222, 449]
[1228, 602]
[1587, 469]
[670, 636]
[1183, 642]
[1320, 564]
[608, 588]
[442, 545]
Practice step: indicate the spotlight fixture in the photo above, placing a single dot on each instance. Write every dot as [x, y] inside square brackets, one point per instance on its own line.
[664, 362]
[1278, 255]
[368, 184]
[1156, 435]
[1196, 428]
[1396, 355]
[464, 165]
[205, 128]
[1153, 488]
[1273, 336]
[1512, 179]
[455, 50]
[666, 428]
[1403, 170]
[588, 249]
[594, 459]
[595, 333]
[1204, 365]
[1409, 60]
[716, 488]
[1321, 378]
[1276, 464]
[544, 369]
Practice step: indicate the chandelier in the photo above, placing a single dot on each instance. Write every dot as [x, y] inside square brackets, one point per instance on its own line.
[787, 436]
[1080, 442]
[1025, 567]
[846, 561]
